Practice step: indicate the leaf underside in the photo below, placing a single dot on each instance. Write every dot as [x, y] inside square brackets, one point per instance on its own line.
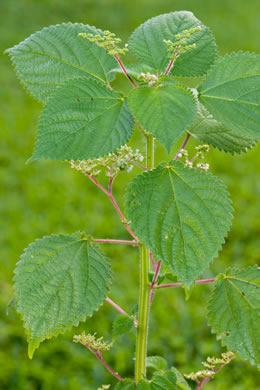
[165, 112]
[182, 214]
[82, 120]
[59, 281]
[122, 324]
[208, 130]
[234, 312]
[230, 92]
[146, 43]
[52, 56]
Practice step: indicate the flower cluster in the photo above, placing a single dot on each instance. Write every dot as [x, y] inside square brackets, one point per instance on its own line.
[180, 46]
[104, 387]
[108, 41]
[90, 339]
[121, 159]
[211, 364]
[148, 78]
[201, 149]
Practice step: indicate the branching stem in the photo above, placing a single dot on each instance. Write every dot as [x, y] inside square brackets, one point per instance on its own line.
[117, 307]
[98, 354]
[180, 284]
[111, 197]
[182, 146]
[111, 241]
[207, 379]
[124, 70]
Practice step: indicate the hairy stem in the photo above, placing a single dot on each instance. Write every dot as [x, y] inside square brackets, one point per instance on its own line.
[118, 308]
[182, 146]
[180, 284]
[144, 292]
[124, 70]
[98, 354]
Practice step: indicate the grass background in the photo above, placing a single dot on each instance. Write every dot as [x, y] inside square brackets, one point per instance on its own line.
[49, 197]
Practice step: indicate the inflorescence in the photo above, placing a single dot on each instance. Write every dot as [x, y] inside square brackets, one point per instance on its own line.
[121, 159]
[91, 341]
[108, 41]
[180, 46]
[210, 365]
[201, 150]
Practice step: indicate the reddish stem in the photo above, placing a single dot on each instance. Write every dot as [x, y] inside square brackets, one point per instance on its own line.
[206, 380]
[110, 241]
[169, 67]
[182, 146]
[157, 270]
[118, 308]
[98, 354]
[179, 284]
[124, 70]
[140, 165]
[152, 260]
[109, 194]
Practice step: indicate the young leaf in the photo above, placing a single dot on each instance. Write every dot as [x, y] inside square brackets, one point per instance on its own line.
[164, 381]
[82, 120]
[234, 312]
[122, 324]
[230, 92]
[212, 132]
[56, 54]
[126, 384]
[156, 362]
[165, 112]
[180, 380]
[146, 43]
[59, 281]
[182, 214]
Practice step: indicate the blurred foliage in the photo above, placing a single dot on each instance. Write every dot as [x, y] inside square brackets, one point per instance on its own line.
[49, 197]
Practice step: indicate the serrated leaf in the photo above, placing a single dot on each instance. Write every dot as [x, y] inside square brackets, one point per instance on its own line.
[234, 312]
[164, 381]
[59, 281]
[156, 362]
[122, 324]
[207, 129]
[146, 43]
[56, 54]
[230, 92]
[180, 380]
[165, 112]
[82, 120]
[182, 214]
[126, 384]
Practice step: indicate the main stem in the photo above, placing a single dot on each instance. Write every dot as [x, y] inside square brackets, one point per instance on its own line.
[144, 293]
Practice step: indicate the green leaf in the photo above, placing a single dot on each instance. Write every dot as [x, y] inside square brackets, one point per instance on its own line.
[165, 112]
[182, 214]
[207, 129]
[180, 381]
[133, 70]
[164, 381]
[146, 43]
[156, 362]
[230, 92]
[143, 385]
[82, 120]
[56, 54]
[234, 312]
[59, 281]
[122, 324]
[126, 384]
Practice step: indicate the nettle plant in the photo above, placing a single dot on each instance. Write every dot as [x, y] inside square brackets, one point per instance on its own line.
[178, 214]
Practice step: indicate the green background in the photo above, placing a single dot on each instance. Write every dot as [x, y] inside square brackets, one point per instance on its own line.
[49, 197]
